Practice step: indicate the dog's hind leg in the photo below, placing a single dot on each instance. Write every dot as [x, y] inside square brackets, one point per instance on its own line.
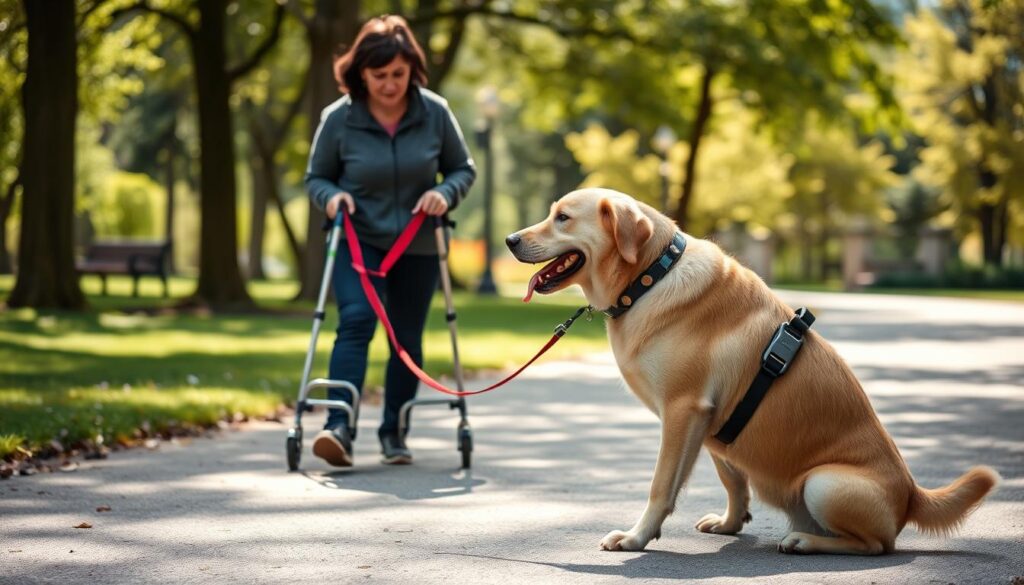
[683, 426]
[852, 507]
[737, 513]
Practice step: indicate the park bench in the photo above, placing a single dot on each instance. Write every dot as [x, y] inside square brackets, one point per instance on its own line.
[134, 258]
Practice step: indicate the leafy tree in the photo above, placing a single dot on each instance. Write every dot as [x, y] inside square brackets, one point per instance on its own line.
[965, 93]
[612, 162]
[203, 23]
[746, 177]
[330, 25]
[834, 179]
[745, 174]
[663, 63]
[165, 106]
[129, 207]
[272, 99]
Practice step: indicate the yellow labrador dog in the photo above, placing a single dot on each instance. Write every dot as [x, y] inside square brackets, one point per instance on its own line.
[689, 349]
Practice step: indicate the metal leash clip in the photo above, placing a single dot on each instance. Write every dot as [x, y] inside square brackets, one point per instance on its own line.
[561, 328]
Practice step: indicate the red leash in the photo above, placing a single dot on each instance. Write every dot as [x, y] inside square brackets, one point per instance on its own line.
[392, 256]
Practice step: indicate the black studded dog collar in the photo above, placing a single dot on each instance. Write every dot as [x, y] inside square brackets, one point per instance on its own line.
[655, 272]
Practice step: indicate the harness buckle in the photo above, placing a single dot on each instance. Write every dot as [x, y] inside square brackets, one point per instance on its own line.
[781, 350]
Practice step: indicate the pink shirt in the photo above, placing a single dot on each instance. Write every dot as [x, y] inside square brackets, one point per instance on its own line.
[391, 128]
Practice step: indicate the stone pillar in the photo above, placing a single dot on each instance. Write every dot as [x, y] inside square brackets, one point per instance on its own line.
[756, 252]
[856, 256]
[759, 254]
[934, 249]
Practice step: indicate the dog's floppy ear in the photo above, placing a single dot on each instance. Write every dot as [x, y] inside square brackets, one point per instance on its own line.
[629, 227]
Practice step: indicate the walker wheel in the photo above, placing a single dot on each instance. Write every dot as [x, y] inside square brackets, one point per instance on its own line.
[466, 446]
[294, 450]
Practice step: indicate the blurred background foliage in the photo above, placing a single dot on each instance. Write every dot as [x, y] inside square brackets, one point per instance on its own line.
[793, 119]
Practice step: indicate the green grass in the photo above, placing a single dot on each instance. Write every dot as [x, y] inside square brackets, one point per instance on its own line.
[101, 374]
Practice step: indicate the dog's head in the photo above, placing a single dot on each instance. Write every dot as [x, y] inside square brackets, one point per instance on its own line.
[592, 237]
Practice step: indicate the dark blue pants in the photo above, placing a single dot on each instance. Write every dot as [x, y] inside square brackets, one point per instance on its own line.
[406, 293]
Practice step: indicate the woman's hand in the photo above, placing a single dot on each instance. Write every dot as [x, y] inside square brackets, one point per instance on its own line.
[432, 203]
[335, 202]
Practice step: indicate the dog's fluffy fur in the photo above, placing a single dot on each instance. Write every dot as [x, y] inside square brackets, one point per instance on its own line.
[689, 349]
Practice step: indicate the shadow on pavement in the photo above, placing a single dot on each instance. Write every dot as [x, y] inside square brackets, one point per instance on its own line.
[395, 481]
[743, 557]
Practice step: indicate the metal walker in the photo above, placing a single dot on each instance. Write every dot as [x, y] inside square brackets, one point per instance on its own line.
[464, 434]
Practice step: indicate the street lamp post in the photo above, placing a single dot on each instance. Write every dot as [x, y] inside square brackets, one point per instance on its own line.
[487, 108]
[663, 141]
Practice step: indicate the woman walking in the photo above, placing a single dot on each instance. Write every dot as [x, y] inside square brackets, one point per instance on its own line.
[377, 154]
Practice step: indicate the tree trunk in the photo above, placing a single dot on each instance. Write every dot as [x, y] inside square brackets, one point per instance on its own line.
[806, 244]
[696, 134]
[220, 280]
[46, 255]
[335, 22]
[824, 235]
[6, 204]
[170, 178]
[293, 242]
[1002, 223]
[439, 64]
[989, 220]
[258, 219]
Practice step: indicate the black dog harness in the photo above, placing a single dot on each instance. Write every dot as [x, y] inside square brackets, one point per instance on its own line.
[775, 360]
[655, 272]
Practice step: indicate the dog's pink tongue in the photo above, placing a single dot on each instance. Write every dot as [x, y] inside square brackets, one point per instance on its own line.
[529, 289]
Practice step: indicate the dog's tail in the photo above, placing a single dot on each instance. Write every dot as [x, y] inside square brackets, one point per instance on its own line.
[941, 511]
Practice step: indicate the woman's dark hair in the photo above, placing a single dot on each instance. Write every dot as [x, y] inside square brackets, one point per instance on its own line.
[379, 41]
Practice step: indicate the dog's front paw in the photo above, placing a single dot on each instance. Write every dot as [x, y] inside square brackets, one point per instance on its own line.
[619, 540]
[716, 524]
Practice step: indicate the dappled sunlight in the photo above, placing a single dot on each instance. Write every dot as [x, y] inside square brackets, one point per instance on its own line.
[560, 458]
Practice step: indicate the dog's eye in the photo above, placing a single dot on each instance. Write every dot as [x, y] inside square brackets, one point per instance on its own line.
[561, 217]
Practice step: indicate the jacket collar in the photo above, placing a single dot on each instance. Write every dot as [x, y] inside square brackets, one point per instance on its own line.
[646, 281]
[359, 113]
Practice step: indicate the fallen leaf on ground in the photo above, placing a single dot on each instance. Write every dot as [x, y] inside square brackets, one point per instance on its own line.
[69, 466]
[84, 525]
[103, 509]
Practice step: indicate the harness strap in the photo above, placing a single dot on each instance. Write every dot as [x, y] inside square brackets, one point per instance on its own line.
[378, 307]
[775, 361]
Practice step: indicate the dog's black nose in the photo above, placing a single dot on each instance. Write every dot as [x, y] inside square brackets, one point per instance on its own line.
[512, 241]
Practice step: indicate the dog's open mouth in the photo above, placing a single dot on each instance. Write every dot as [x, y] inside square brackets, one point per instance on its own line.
[547, 279]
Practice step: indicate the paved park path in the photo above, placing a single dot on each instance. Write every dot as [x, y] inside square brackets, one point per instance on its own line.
[563, 455]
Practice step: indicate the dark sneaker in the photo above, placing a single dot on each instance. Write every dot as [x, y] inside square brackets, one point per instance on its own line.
[334, 446]
[394, 451]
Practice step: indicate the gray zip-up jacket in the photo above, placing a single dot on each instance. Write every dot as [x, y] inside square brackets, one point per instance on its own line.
[386, 175]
